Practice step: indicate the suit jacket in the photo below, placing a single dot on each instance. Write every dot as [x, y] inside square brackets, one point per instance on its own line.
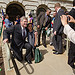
[72, 13]
[41, 19]
[58, 27]
[17, 38]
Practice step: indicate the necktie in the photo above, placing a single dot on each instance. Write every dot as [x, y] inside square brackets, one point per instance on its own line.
[23, 33]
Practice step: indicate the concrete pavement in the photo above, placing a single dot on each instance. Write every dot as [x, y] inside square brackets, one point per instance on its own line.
[50, 65]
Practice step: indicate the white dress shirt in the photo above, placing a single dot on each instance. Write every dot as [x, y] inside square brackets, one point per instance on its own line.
[70, 33]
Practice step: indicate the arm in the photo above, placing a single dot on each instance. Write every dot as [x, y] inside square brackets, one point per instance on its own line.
[67, 29]
[7, 32]
[38, 19]
[48, 23]
[70, 33]
[35, 35]
[59, 24]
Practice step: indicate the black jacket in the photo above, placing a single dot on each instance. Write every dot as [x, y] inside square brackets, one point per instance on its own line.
[41, 19]
[16, 31]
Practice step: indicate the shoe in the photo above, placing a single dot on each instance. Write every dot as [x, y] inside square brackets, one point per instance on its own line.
[32, 59]
[53, 50]
[56, 53]
[38, 45]
[28, 61]
[45, 46]
[51, 43]
[65, 47]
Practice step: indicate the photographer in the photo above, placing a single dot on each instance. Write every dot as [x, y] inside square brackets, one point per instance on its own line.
[71, 35]
[67, 29]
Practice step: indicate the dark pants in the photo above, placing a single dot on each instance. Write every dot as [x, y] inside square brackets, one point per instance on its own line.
[71, 55]
[57, 42]
[18, 52]
[43, 37]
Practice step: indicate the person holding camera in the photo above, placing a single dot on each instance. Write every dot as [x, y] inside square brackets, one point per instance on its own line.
[71, 54]
[67, 29]
[71, 35]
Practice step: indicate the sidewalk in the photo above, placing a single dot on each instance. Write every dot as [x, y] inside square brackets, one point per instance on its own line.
[50, 65]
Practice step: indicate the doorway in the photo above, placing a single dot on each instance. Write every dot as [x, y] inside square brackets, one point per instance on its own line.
[41, 8]
[13, 10]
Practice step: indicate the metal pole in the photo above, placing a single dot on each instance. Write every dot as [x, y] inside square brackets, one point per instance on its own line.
[8, 55]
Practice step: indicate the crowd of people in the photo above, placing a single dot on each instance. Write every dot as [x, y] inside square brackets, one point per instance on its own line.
[58, 24]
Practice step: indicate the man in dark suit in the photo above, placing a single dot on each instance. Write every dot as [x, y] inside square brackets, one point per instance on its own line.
[19, 33]
[57, 30]
[71, 54]
[43, 22]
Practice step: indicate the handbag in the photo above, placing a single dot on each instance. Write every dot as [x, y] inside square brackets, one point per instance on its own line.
[48, 32]
[38, 55]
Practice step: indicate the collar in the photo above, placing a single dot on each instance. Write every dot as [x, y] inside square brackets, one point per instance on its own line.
[58, 10]
[22, 27]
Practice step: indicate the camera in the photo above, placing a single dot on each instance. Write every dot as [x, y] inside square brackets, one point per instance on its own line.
[68, 19]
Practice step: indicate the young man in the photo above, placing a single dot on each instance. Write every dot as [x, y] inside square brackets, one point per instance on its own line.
[58, 30]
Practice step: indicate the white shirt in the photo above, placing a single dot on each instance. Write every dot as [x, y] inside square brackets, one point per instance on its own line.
[22, 31]
[70, 33]
[58, 10]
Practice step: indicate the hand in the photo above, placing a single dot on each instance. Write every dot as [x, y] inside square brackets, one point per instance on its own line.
[64, 20]
[35, 44]
[46, 28]
[38, 26]
[5, 40]
[35, 33]
[71, 19]
[15, 22]
[55, 33]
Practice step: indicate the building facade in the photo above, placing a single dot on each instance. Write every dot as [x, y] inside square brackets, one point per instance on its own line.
[24, 7]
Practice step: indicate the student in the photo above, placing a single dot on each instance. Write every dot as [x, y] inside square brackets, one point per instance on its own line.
[32, 36]
[67, 29]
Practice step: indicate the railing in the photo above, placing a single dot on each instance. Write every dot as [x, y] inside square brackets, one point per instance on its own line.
[6, 46]
[67, 44]
[8, 56]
